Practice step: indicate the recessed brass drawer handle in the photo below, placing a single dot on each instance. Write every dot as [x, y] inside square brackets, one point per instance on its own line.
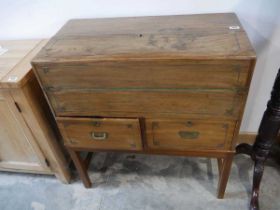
[99, 135]
[188, 134]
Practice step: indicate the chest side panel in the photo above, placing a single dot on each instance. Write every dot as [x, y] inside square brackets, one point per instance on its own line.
[16, 151]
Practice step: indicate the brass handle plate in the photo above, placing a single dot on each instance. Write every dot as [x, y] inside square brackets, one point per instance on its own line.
[188, 134]
[100, 136]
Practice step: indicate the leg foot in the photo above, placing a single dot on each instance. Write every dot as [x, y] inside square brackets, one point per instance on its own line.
[81, 167]
[224, 175]
[257, 177]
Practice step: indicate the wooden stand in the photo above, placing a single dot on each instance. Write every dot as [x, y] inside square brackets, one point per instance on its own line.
[267, 134]
[82, 165]
[169, 85]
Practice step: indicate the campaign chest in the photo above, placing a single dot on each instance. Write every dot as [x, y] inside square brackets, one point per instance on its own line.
[159, 85]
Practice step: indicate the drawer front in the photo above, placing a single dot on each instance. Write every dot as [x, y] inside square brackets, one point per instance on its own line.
[146, 103]
[145, 74]
[111, 134]
[189, 134]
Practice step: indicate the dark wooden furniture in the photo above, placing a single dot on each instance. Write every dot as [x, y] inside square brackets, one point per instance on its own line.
[267, 135]
[173, 85]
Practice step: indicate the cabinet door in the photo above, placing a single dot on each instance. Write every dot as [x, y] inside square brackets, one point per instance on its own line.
[18, 150]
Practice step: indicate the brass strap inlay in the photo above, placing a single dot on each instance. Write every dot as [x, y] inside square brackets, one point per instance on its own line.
[188, 134]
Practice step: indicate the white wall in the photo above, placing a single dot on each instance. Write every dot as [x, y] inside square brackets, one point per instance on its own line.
[24, 19]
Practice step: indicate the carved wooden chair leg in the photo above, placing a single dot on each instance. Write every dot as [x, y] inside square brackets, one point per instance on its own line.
[224, 175]
[267, 134]
[81, 167]
[258, 173]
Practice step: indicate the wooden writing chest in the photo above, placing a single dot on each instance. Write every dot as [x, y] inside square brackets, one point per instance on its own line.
[160, 85]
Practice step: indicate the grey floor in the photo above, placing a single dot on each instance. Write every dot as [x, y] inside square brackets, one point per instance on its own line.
[141, 182]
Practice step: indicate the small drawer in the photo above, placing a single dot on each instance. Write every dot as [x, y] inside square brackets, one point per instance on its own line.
[189, 134]
[101, 133]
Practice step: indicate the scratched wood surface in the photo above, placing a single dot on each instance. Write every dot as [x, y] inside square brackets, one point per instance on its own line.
[149, 103]
[195, 134]
[184, 36]
[231, 74]
[102, 133]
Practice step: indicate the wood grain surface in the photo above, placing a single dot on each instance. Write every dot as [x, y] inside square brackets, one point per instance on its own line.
[114, 134]
[189, 134]
[146, 74]
[141, 103]
[181, 36]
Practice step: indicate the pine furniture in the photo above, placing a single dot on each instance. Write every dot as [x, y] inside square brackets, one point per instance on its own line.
[28, 142]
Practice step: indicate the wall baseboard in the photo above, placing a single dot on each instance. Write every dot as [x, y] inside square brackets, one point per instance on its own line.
[250, 137]
[246, 137]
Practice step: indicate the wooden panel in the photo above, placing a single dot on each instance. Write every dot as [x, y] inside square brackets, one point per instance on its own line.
[17, 146]
[20, 73]
[38, 117]
[26, 139]
[145, 74]
[145, 103]
[149, 24]
[14, 58]
[189, 134]
[23, 167]
[185, 36]
[16, 51]
[112, 134]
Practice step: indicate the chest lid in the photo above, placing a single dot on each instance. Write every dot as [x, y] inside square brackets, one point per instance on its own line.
[173, 37]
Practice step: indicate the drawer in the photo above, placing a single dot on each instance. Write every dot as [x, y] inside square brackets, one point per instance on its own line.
[141, 103]
[101, 133]
[189, 134]
[133, 74]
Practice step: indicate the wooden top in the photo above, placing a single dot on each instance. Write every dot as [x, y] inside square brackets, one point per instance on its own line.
[182, 36]
[15, 62]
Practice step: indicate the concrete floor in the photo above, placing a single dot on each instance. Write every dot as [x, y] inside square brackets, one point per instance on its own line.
[142, 182]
